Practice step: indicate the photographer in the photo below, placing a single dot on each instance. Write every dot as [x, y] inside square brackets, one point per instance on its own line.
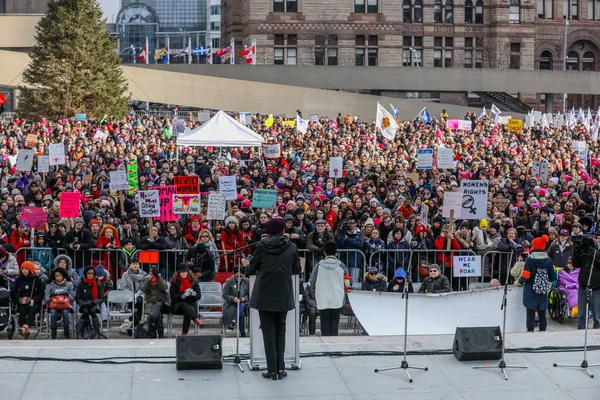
[202, 262]
[315, 243]
[583, 256]
[351, 238]
[156, 303]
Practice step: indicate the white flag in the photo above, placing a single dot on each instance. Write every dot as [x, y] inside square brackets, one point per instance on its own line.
[386, 122]
[482, 114]
[495, 110]
[545, 122]
[301, 124]
[572, 120]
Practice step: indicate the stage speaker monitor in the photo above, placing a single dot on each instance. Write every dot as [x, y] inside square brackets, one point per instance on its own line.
[477, 343]
[199, 352]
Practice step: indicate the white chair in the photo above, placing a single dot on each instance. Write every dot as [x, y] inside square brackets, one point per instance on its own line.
[114, 302]
[211, 296]
[416, 286]
[478, 285]
[120, 284]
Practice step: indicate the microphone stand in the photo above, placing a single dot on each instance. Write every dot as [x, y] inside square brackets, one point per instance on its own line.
[588, 297]
[237, 361]
[502, 365]
[404, 365]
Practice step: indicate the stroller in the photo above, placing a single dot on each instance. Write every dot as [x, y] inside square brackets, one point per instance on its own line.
[7, 317]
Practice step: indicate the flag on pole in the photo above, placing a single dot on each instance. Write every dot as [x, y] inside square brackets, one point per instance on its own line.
[395, 110]
[269, 121]
[438, 132]
[144, 56]
[159, 53]
[495, 110]
[424, 115]
[386, 123]
[184, 52]
[3, 100]
[545, 121]
[301, 124]
[580, 116]
[223, 54]
[482, 113]
[201, 51]
[232, 57]
[249, 53]
[572, 120]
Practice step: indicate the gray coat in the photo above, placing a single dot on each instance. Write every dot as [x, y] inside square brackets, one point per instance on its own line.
[67, 288]
[230, 291]
[133, 281]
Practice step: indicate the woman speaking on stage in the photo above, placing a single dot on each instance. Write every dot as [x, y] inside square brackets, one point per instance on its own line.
[275, 261]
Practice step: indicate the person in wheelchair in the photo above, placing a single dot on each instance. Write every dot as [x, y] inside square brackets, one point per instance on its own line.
[309, 307]
[569, 285]
[157, 303]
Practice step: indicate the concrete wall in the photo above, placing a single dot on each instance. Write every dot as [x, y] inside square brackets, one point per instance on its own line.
[18, 31]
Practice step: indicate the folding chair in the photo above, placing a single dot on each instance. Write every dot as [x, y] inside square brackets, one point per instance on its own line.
[116, 298]
[212, 296]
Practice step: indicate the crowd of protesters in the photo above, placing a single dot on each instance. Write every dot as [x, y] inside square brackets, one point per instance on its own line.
[378, 203]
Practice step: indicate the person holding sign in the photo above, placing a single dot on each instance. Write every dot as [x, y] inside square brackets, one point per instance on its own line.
[446, 241]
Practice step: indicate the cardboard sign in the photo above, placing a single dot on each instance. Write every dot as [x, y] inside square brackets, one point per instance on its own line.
[186, 203]
[228, 186]
[502, 204]
[34, 216]
[57, 154]
[336, 167]
[474, 201]
[515, 125]
[132, 176]
[425, 159]
[118, 180]
[466, 266]
[149, 203]
[25, 160]
[580, 147]
[314, 119]
[464, 125]
[245, 118]
[165, 194]
[69, 204]
[272, 150]
[544, 171]
[217, 206]
[86, 179]
[179, 126]
[100, 135]
[264, 198]
[31, 140]
[187, 184]
[80, 117]
[445, 158]
[529, 121]
[424, 213]
[452, 201]
[43, 164]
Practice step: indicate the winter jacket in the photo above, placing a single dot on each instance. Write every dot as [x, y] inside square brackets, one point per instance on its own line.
[567, 283]
[560, 254]
[44, 256]
[176, 298]
[354, 242]
[214, 252]
[400, 273]
[315, 242]
[327, 279]
[275, 261]
[28, 287]
[82, 257]
[481, 241]
[84, 293]
[133, 280]
[398, 258]
[154, 293]
[202, 262]
[536, 261]
[378, 285]
[73, 276]
[66, 289]
[440, 284]
[445, 258]
[10, 266]
[230, 291]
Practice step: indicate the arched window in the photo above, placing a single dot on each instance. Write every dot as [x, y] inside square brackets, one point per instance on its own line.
[573, 61]
[546, 60]
[514, 12]
[406, 12]
[468, 12]
[418, 17]
[448, 18]
[437, 11]
[589, 61]
[479, 12]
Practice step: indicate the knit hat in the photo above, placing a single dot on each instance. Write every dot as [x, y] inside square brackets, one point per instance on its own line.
[29, 266]
[275, 226]
[231, 219]
[434, 266]
[182, 267]
[288, 217]
[246, 204]
[88, 269]
[369, 221]
[78, 220]
[484, 223]
[539, 244]
[564, 232]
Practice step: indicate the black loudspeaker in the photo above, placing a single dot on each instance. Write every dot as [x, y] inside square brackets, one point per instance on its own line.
[199, 352]
[481, 343]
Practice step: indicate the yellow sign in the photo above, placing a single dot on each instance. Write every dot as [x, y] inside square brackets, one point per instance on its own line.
[269, 121]
[515, 125]
[289, 122]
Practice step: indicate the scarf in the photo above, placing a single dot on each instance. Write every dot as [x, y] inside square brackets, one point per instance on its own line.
[184, 284]
[94, 285]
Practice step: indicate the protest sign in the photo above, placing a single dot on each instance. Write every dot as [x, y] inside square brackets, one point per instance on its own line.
[580, 147]
[186, 203]
[25, 160]
[464, 125]
[245, 118]
[87, 179]
[149, 203]
[187, 184]
[466, 266]
[43, 164]
[203, 116]
[314, 119]
[217, 206]
[69, 204]
[424, 213]
[165, 194]
[179, 126]
[35, 217]
[452, 201]
[425, 159]
[272, 150]
[80, 117]
[132, 176]
[118, 180]
[264, 198]
[535, 170]
[544, 171]
[100, 135]
[445, 158]
[228, 186]
[474, 202]
[31, 140]
[452, 123]
[336, 167]
[515, 125]
[529, 121]
[57, 154]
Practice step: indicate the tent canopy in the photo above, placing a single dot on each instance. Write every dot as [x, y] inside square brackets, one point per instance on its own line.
[221, 131]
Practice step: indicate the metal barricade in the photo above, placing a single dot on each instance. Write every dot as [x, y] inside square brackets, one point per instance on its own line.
[497, 265]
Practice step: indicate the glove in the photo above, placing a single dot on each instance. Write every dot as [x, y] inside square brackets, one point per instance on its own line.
[519, 284]
[192, 293]
[184, 295]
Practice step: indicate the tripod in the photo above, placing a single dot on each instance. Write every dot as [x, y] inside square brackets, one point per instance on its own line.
[237, 361]
[502, 365]
[404, 365]
[588, 297]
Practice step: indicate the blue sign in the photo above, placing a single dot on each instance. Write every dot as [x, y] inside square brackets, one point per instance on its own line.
[425, 159]
[80, 117]
[264, 198]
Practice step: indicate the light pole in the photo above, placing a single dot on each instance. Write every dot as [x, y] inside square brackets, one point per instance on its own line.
[565, 59]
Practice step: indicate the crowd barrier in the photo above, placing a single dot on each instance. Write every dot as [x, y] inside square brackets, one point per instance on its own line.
[353, 259]
[497, 264]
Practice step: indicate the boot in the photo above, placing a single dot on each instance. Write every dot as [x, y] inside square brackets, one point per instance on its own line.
[161, 333]
[199, 323]
[24, 332]
[96, 325]
[67, 333]
[53, 330]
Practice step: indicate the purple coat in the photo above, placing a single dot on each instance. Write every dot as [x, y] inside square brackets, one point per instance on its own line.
[567, 283]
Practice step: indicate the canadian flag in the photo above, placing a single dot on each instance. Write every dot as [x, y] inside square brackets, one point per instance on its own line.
[249, 53]
[2, 99]
[144, 55]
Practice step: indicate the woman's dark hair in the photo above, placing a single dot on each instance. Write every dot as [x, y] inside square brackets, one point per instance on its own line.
[238, 269]
[190, 277]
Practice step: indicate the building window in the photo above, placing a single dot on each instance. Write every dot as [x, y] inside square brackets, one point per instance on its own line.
[412, 51]
[448, 14]
[573, 61]
[565, 7]
[515, 61]
[285, 6]
[437, 11]
[359, 57]
[448, 58]
[359, 6]
[216, 43]
[372, 6]
[283, 53]
[372, 57]
[366, 51]
[215, 25]
[215, 10]
[574, 9]
[515, 47]
[326, 52]
[478, 58]
[479, 12]
[468, 59]
[278, 56]
[291, 56]
[442, 53]
[514, 12]
[589, 61]
[292, 40]
[406, 11]
[468, 12]
[546, 60]
[545, 9]
[279, 40]
[437, 58]
[594, 10]
[418, 17]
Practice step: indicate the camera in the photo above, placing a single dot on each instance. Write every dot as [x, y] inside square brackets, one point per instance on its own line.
[155, 271]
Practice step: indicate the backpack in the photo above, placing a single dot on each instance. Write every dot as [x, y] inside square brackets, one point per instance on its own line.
[541, 282]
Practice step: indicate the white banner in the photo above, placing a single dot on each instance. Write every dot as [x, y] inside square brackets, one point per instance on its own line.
[57, 154]
[43, 164]
[425, 159]
[445, 158]
[437, 314]
[118, 180]
[464, 125]
[217, 207]
[228, 186]
[466, 266]
[149, 203]
[452, 201]
[272, 150]
[336, 167]
[25, 160]
[186, 203]
[475, 196]
[580, 147]
[544, 171]
[179, 127]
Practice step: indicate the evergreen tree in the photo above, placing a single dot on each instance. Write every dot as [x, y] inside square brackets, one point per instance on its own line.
[74, 65]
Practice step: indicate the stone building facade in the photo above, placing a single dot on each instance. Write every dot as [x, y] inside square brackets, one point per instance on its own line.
[520, 34]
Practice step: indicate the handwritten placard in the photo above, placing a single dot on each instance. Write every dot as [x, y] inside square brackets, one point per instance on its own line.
[149, 202]
[165, 194]
[69, 205]
[186, 203]
[217, 204]
[187, 184]
[228, 186]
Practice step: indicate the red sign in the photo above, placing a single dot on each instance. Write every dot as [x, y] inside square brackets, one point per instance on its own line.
[187, 184]
[34, 216]
[165, 195]
[69, 205]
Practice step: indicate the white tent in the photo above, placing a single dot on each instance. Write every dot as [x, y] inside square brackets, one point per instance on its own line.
[221, 131]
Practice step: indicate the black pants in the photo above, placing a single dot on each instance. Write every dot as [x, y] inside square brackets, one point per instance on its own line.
[91, 310]
[272, 324]
[310, 316]
[189, 312]
[531, 320]
[330, 321]
[27, 313]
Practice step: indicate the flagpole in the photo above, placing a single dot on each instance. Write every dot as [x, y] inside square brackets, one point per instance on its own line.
[147, 50]
[232, 45]
[168, 50]
[189, 50]
[253, 44]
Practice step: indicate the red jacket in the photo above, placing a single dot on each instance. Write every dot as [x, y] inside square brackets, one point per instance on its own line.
[445, 258]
